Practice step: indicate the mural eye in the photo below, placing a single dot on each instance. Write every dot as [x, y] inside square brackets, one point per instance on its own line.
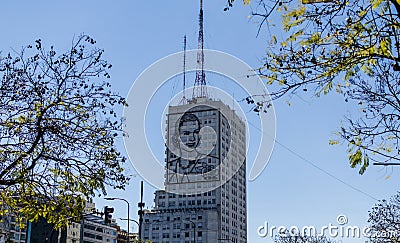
[186, 133]
[197, 131]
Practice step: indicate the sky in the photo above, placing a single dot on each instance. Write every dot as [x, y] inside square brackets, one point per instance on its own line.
[306, 182]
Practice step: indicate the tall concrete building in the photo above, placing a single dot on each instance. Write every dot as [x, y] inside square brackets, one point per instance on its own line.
[205, 177]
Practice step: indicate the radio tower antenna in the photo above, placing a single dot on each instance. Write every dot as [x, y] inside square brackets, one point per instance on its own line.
[200, 88]
[184, 100]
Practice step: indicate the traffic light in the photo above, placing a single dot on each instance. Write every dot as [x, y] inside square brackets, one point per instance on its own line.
[107, 214]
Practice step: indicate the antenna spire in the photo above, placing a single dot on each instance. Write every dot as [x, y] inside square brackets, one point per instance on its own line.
[184, 100]
[200, 88]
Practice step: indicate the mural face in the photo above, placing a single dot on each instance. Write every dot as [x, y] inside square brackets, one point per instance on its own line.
[189, 129]
[193, 152]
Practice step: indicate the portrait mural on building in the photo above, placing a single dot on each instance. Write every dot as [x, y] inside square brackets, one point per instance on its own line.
[194, 152]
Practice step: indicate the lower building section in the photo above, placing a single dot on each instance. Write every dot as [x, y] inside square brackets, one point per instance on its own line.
[182, 225]
[92, 228]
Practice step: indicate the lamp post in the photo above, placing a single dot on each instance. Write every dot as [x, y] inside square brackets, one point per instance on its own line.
[194, 229]
[121, 199]
[140, 212]
[130, 220]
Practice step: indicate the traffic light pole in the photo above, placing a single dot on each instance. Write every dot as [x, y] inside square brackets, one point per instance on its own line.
[140, 212]
[122, 199]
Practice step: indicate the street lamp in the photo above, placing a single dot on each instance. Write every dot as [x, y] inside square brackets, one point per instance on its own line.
[121, 199]
[133, 221]
[130, 220]
[194, 229]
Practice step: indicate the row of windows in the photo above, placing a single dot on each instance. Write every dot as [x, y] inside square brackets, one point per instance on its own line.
[188, 234]
[188, 203]
[174, 226]
[93, 236]
[171, 195]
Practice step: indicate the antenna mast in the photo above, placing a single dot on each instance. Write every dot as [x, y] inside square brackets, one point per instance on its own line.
[200, 89]
[184, 100]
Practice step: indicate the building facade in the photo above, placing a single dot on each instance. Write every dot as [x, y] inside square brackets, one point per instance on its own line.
[122, 235]
[205, 180]
[73, 233]
[11, 230]
[91, 229]
[94, 230]
[133, 237]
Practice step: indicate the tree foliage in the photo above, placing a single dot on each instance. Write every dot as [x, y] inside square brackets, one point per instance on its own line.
[141, 241]
[58, 126]
[345, 46]
[229, 4]
[384, 220]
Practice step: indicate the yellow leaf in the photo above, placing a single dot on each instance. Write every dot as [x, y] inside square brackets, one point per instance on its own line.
[274, 40]
[376, 3]
[333, 142]
[385, 46]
